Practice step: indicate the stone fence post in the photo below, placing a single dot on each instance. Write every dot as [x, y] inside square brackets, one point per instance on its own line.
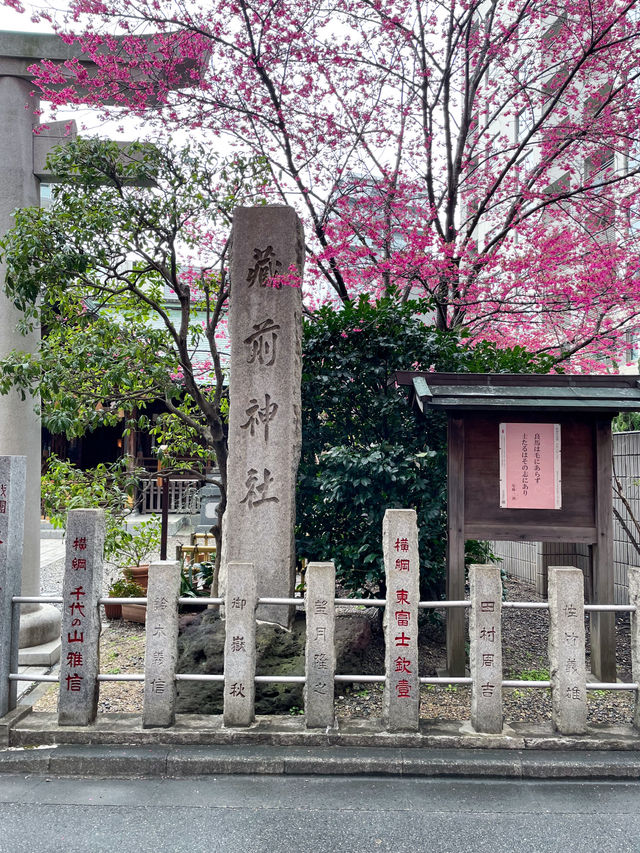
[320, 651]
[13, 475]
[567, 650]
[161, 652]
[485, 654]
[82, 587]
[402, 567]
[633, 573]
[240, 645]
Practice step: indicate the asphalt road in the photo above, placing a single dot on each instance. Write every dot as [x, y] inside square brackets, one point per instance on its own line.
[274, 814]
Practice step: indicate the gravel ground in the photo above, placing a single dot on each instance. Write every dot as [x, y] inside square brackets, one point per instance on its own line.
[524, 658]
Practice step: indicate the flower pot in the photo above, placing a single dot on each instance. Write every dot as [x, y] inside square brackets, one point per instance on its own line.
[134, 613]
[139, 574]
[113, 611]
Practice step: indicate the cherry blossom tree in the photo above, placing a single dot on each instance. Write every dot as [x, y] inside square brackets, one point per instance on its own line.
[480, 156]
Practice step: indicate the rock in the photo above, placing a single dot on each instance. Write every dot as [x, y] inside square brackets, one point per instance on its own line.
[201, 650]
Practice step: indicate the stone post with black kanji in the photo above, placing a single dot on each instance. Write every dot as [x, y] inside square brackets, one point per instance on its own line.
[633, 574]
[567, 650]
[81, 590]
[402, 569]
[161, 651]
[265, 328]
[320, 652]
[240, 645]
[485, 652]
[13, 476]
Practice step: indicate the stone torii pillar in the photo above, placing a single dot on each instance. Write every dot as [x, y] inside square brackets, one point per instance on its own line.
[22, 159]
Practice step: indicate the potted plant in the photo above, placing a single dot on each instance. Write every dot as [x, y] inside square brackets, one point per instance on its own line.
[195, 582]
[136, 548]
[122, 588]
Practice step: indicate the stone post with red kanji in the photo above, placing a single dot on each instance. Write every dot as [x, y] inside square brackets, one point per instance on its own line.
[402, 567]
[81, 590]
[13, 474]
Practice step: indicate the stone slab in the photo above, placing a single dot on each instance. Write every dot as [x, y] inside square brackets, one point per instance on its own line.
[240, 645]
[13, 474]
[82, 587]
[265, 329]
[402, 567]
[485, 653]
[320, 651]
[46, 654]
[161, 653]
[567, 650]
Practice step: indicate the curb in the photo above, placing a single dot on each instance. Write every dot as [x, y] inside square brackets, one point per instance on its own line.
[187, 761]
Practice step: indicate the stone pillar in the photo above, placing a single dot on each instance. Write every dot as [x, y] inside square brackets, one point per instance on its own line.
[567, 650]
[320, 651]
[13, 472]
[402, 568]
[81, 590]
[633, 574]
[19, 423]
[161, 651]
[265, 322]
[485, 653]
[240, 645]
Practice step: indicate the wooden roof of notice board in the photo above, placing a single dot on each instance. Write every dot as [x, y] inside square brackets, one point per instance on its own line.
[606, 394]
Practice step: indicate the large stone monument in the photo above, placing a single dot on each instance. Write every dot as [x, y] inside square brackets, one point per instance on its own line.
[265, 436]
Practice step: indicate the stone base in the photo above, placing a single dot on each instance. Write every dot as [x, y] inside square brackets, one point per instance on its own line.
[40, 626]
[443, 672]
[46, 654]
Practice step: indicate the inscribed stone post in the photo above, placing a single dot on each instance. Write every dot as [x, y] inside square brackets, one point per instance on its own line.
[566, 650]
[320, 652]
[485, 653]
[265, 326]
[13, 474]
[633, 575]
[402, 568]
[240, 645]
[81, 589]
[161, 651]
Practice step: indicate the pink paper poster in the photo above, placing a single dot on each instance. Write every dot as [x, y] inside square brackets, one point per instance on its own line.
[530, 466]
